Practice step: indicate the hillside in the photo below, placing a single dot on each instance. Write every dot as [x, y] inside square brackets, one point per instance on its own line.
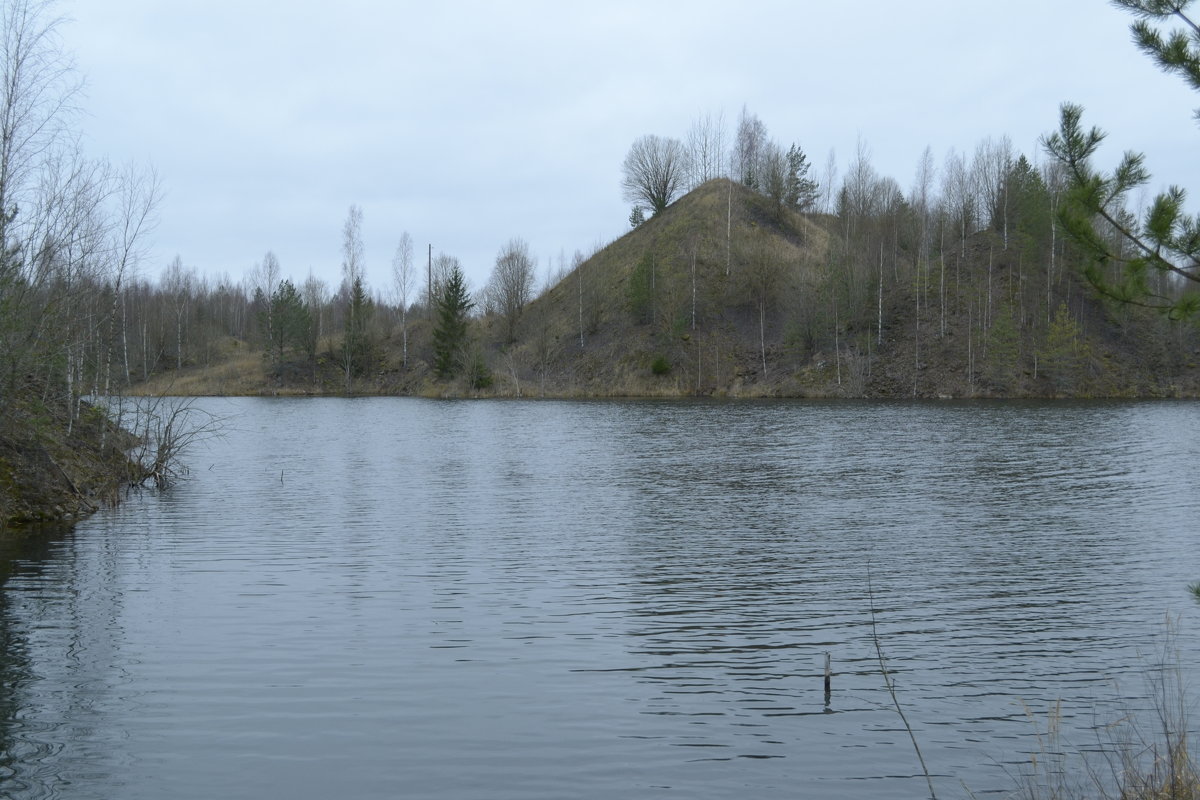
[724, 294]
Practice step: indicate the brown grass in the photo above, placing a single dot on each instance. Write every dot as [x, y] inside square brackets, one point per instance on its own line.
[240, 374]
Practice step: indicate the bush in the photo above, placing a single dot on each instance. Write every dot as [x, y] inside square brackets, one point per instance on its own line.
[660, 365]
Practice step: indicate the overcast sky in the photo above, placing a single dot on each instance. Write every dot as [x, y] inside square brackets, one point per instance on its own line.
[468, 124]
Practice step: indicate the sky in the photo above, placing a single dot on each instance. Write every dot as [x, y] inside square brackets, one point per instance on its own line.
[468, 124]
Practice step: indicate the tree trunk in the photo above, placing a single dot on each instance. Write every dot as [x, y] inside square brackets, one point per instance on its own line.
[762, 336]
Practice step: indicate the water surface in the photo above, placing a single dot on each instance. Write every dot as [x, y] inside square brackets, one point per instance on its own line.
[377, 598]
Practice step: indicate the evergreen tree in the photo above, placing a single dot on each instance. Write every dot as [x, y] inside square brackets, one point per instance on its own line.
[358, 344]
[1064, 351]
[1028, 201]
[453, 303]
[286, 321]
[801, 189]
[1124, 256]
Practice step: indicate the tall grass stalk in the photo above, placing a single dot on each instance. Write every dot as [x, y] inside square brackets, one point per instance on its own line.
[1140, 756]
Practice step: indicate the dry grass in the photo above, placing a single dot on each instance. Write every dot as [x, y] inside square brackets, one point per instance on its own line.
[240, 374]
[1140, 756]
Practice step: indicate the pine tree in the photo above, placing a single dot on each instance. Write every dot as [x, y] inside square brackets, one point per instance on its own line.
[286, 320]
[358, 344]
[450, 335]
[801, 189]
[1124, 256]
[1064, 351]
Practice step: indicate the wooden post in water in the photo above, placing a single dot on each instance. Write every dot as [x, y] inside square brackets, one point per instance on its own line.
[828, 679]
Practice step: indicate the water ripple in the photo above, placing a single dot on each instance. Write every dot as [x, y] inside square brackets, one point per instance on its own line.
[544, 599]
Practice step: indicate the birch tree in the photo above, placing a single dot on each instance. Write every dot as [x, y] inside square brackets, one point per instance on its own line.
[404, 279]
[959, 193]
[749, 148]
[353, 284]
[706, 148]
[316, 298]
[47, 193]
[991, 165]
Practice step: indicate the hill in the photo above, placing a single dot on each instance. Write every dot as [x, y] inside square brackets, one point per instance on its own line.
[725, 293]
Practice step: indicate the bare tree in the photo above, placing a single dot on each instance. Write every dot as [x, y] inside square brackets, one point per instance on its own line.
[921, 198]
[404, 277]
[765, 267]
[179, 284]
[828, 182]
[352, 245]
[352, 281]
[167, 428]
[773, 175]
[511, 284]
[441, 268]
[37, 98]
[139, 193]
[990, 167]
[316, 297]
[749, 147]
[654, 172]
[859, 199]
[706, 148]
[53, 220]
[921, 202]
[264, 278]
[959, 192]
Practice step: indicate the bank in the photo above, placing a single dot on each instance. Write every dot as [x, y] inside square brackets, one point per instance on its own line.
[55, 470]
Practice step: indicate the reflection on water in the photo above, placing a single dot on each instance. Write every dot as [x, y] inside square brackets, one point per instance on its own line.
[374, 598]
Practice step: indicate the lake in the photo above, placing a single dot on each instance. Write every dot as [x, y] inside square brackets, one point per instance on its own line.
[385, 597]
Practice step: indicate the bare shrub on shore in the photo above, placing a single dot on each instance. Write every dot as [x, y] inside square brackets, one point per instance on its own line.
[166, 428]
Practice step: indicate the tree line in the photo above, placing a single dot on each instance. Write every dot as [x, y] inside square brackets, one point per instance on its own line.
[186, 317]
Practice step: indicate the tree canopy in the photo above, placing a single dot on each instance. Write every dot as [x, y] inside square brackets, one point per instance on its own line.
[654, 172]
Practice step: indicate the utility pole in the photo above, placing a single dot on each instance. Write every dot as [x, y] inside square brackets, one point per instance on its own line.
[429, 305]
